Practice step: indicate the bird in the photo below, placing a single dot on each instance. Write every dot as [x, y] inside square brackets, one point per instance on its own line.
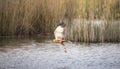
[59, 33]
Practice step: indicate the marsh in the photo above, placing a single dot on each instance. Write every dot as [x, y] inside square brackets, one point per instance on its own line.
[27, 30]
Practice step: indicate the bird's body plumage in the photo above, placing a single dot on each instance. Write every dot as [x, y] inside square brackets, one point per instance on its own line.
[59, 36]
[59, 33]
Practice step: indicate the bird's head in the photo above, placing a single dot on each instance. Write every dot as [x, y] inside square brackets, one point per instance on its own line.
[62, 24]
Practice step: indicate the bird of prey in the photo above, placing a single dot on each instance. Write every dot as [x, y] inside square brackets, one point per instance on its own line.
[59, 34]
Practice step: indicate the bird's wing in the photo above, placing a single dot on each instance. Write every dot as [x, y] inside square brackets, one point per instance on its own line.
[59, 32]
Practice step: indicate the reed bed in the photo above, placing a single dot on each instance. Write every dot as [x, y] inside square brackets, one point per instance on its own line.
[30, 17]
[94, 31]
[26, 17]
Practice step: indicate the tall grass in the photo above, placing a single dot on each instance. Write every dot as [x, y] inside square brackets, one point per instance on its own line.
[94, 31]
[29, 17]
[95, 21]
[25, 17]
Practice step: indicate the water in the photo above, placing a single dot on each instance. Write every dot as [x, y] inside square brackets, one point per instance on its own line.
[42, 53]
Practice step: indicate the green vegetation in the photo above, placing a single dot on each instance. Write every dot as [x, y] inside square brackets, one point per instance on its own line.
[30, 17]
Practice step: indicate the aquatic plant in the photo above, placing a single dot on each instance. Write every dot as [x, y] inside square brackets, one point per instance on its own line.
[30, 17]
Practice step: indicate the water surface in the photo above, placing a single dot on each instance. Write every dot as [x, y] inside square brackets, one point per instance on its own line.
[42, 53]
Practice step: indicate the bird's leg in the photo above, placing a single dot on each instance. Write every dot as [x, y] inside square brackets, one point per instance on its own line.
[65, 50]
[62, 43]
[64, 46]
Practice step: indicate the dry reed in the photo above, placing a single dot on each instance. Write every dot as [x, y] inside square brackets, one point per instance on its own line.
[29, 17]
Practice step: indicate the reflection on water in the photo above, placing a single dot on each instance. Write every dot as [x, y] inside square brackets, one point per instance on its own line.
[42, 53]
